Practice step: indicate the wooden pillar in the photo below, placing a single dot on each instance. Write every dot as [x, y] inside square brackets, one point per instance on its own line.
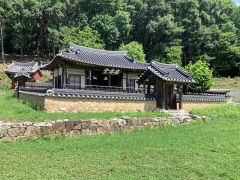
[148, 87]
[173, 103]
[53, 79]
[90, 77]
[180, 96]
[167, 96]
[109, 79]
[163, 95]
[158, 86]
[127, 84]
[63, 77]
[57, 78]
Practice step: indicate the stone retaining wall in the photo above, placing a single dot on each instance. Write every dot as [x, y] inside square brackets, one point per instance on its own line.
[13, 131]
[59, 104]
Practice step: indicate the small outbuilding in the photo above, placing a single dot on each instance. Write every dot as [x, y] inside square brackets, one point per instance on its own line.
[23, 72]
[163, 77]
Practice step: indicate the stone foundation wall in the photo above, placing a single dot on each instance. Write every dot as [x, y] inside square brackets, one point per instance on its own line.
[14, 131]
[58, 104]
[33, 99]
[190, 105]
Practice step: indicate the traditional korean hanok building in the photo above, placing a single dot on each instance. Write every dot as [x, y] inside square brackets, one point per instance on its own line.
[86, 79]
[23, 72]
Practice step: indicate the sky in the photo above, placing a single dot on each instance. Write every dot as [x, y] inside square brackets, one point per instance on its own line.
[237, 2]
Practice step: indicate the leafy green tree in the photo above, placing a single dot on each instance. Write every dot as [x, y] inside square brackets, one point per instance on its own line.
[106, 26]
[5, 6]
[134, 50]
[87, 37]
[24, 24]
[174, 55]
[202, 74]
[122, 22]
[227, 54]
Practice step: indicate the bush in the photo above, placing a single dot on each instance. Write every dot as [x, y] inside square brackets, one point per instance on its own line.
[203, 76]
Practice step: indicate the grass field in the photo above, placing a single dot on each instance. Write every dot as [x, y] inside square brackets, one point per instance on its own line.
[5, 82]
[12, 109]
[201, 150]
[227, 83]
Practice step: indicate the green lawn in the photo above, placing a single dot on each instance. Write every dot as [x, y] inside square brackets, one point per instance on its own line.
[227, 83]
[14, 109]
[201, 150]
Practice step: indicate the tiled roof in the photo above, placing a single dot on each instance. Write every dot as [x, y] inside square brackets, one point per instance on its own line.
[214, 93]
[85, 55]
[44, 63]
[204, 98]
[17, 67]
[34, 84]
[167, 72]
[99, 94]
[69, 93]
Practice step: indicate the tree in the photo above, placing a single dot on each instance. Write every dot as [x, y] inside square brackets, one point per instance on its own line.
[202, 74]
[87, 37]
[174, 55]
[134, 50]
[106, 26]
[23, 20]
[4, 12]
[227, 52]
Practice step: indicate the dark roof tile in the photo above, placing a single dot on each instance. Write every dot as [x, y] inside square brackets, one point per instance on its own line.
[17, 67]
[204, 98]
[168, 72]
[85, 55]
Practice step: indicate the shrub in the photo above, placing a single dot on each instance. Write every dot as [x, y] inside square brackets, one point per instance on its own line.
[202, 74]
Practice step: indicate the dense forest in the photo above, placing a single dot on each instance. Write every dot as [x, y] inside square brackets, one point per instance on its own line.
[169, 31]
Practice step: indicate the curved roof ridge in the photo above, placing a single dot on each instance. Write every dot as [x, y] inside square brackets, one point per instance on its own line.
[16, 67]
[32, 63]
[97, 51]
[164, 64]
[184, 73]
[154, 65]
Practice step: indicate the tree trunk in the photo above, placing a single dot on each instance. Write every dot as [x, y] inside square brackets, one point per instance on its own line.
[21, 44]
[21, 51]
[2, 46]
[54, 51]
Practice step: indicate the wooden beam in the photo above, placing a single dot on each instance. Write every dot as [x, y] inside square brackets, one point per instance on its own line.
[90, 77]
[63, 76]
[171, 96]
[109, 79]
[180, 96]
[163, 95]
[127, 85]
[167, 87]
[148, 87]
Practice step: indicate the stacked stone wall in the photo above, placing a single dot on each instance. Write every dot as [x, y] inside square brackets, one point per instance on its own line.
[13, 131]
[57, 104]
